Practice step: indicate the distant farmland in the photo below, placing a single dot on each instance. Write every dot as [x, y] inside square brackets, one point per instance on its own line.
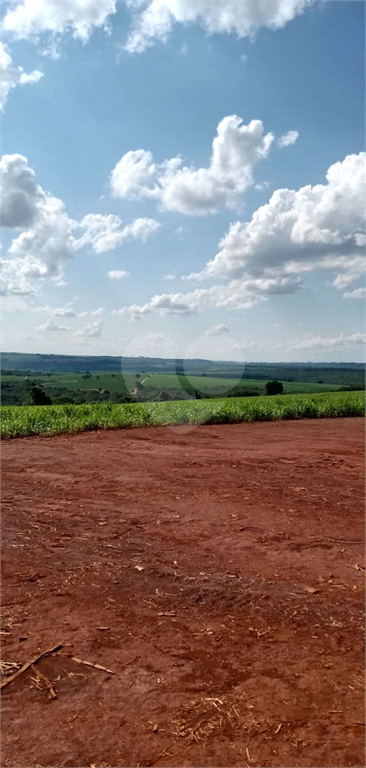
[143, 387]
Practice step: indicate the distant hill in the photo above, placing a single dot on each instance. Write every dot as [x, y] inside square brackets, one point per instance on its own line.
[344, 374]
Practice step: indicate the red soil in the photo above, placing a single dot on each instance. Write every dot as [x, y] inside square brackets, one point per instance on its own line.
[219, 572]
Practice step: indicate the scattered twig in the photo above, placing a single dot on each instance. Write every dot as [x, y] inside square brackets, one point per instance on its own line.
[90, 664]
[164, 753]
[43, 683]
[8, 667]
[29, 664]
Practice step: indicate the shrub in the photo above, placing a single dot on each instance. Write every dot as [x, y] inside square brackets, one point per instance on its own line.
[39, 397]
[274, 388]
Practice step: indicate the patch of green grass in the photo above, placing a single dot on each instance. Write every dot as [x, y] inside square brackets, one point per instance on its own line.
[21, 421]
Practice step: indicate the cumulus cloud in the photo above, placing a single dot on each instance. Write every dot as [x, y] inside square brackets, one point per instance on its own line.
[313, 342]
[50, 19]
[46, 21]
[46, 239]
[319, 227]
[92, 330]
[357, 293]
[50, 327]
[155, 19]
[218, 330]
[104, 233]
[301, 230]
[238, 294]
[66, 311]
[236, 149]
[11, 76]
[288, 138]
[117, 274]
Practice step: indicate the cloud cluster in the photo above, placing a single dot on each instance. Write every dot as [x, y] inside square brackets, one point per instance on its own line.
[321, 342]
[51, 327]
[104, 233]
[319, 227]
[155, 18]
[92, 330]
[236, 149]
[34, 19]
[238, 294]
[46, 240]
[11, 76]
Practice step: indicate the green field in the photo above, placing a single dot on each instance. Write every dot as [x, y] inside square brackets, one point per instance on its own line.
[20, 421]
[105, 386]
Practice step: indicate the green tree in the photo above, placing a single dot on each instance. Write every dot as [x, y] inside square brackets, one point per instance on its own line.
[274, 388]
[39, 397]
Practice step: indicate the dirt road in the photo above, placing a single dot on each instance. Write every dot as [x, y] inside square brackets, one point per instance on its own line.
[219, 573]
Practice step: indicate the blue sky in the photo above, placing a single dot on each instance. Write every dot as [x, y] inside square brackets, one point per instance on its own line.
[251, 249]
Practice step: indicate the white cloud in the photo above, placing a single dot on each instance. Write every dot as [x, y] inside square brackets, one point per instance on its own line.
[357, 293]
[32, 19]
[288, 138]
[66, 311]
[238, 294]
[262, 185]
[50, 326]
[218, 330]
[170, 276]
[47, 20]
[236, 149]
[104, 233]
[118, 274]
[354, 268]
[156, 18]
[46, 239]
[95, 313]
[20, 194]
[11, 76]
[300, 230]
[320, 227]
[91, 330]
[313, 342]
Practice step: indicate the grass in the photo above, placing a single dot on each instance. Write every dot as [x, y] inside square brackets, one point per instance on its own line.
[21, 421]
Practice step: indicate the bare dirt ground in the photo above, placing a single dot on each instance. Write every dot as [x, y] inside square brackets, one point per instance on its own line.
[219, 574]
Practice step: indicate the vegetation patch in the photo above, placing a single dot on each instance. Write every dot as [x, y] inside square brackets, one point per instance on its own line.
[21, 421]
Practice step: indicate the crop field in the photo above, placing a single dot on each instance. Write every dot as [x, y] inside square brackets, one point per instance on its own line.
[101, 387]
[20, 421]
[117, 382]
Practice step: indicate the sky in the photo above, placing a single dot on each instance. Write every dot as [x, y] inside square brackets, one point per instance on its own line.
[183, 178]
